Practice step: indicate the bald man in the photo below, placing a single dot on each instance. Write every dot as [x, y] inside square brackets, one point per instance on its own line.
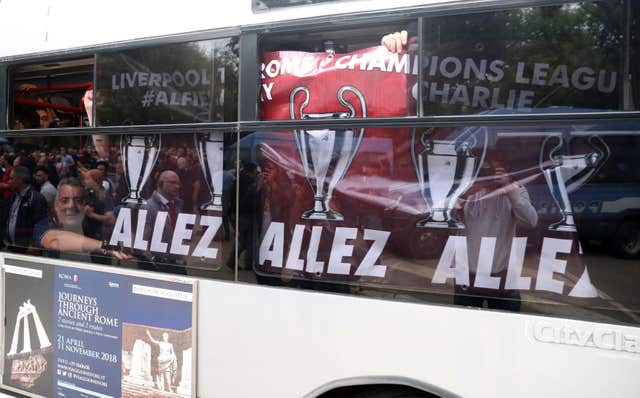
[164, 199]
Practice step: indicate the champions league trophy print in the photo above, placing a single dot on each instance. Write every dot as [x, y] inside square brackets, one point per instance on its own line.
[139, 155]
[565, 173]
[445, 170]
[210, 147]
[326, 154]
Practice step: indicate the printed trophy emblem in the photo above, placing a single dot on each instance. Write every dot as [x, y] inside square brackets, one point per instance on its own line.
[445, 170]
[139, 155]
[565, 173]
[210, 148]
[326, 154]
[28, 365]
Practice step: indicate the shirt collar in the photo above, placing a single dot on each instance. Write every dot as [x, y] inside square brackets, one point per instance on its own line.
[163, 200]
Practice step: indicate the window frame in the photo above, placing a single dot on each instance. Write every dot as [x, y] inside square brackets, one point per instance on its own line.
[249, 62]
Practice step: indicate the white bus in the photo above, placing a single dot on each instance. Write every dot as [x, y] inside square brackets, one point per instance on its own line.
[375, 199]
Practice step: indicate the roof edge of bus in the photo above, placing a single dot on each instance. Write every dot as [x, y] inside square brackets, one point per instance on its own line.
[434, 7]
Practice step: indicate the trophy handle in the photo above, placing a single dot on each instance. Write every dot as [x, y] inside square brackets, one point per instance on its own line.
[470, 140]
[423, 140]
[544, 149]
[423, 137]
[601, 148]
[363, 110]
[297, 114]
[348, 105]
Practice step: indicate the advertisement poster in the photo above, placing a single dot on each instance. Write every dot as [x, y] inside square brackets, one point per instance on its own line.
[80, 332]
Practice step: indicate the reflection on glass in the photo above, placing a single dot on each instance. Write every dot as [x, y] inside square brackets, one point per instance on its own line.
[140, 207]
[445, 170]
[177, 83]
[508, 255]
[567, 55]
[566, 173]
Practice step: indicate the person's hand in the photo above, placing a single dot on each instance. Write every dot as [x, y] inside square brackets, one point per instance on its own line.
[503, 179]
[25, 89]
[89, 210]
[395, 42]
[118, 255]
[87, 100]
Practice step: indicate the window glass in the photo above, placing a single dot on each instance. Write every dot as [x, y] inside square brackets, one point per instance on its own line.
[346, 73]
[511, 218]
[176, 83]
[559, 58]
[51, 94]
[160, 202]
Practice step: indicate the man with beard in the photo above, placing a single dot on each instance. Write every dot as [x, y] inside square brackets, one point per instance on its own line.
[44, 186]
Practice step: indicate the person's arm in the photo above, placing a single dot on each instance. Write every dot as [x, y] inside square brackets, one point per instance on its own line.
[524, 212]
[58, 240]
[108, 218]
[151, 338]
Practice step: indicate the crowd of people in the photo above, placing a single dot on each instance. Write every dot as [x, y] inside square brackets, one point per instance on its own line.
[47, 193]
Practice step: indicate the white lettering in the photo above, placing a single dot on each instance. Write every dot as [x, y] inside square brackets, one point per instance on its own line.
[549, 264]
[454, 262]
[122, 228]
[202, 248]
[368, 264]
[272, 245]
[341, 249]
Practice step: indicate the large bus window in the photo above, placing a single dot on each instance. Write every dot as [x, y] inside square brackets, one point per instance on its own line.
[159, 202]
[176, 83]
[571, 57]
[342, 69]
[499, 217]
[50, 94]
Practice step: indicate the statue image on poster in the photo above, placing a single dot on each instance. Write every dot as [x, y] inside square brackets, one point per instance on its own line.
[565, 173]
[326, 154]
[445, 170]
[28, 364]
[28, 338]
[156, 360]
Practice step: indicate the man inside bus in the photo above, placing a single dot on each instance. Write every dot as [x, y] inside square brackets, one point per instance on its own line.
[66, 232]
[28, 214]
[46, 188]
[166, 198]
[493, 207]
